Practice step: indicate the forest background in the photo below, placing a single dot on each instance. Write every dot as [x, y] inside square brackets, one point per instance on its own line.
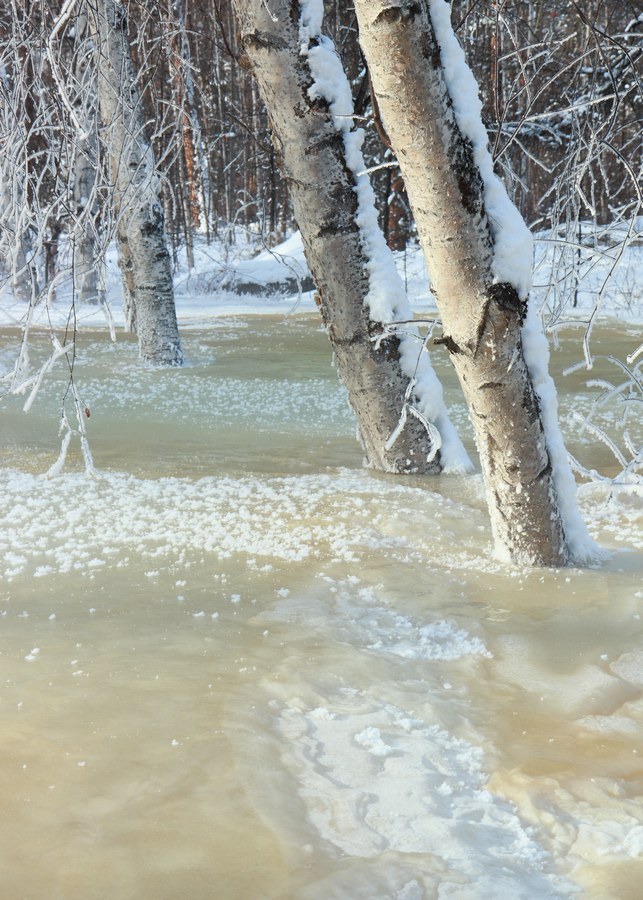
[561, 103]
[559, 83]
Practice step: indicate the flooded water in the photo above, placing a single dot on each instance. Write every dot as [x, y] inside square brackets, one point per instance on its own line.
[236, 664]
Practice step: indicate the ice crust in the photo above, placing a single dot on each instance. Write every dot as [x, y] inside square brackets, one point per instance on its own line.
[383, 785]
[75, 523]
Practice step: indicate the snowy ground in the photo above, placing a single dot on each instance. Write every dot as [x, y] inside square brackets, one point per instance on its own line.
[242, 279]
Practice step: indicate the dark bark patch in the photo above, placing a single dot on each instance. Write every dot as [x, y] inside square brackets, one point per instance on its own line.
[449, 343]
[430, 48]
[257, 40]
[333, 141]
[501, 297]
[358, 337]
[343, 195]
[295, 11]
[335, 227]
[467, 174]
[506, 297]
[149, 228]
[392, 15]
[120, 19]
[388, 348]
[530, 404]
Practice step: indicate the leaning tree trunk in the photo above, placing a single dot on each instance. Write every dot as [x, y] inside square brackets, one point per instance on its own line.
[478, 251]
[391, 388]
[136, 189]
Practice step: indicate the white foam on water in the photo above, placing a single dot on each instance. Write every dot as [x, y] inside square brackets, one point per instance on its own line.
[56, 525]
[379, 782]
[597, 821]
[363, 617]
[614, 513]
[387, 583]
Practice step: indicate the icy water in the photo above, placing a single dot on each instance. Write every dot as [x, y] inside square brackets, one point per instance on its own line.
[238, 665]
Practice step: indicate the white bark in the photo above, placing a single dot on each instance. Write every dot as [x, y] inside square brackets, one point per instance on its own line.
[88, 282]
[324, 190]
[136, 190]
[481, 317]
[192, 117]
[16, 247]
[16, 251]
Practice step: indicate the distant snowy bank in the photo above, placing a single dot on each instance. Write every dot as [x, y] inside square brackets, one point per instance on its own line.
[243, 279]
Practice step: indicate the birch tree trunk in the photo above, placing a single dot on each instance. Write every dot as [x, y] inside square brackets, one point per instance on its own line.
[16, 252]
[84, 237]
[17, 255]
[472, 239]
[21, 259]
[320, 158]
[148, 282]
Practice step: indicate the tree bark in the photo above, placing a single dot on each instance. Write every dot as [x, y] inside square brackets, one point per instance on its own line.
[482, 315]
[136, 190]
[83, 235]
[16, 253]
[312, 149]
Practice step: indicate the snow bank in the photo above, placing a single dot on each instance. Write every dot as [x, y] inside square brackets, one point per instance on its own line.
[210, 290]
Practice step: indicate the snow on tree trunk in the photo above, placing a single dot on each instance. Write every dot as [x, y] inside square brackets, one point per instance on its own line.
[392, 389]
[478, 251]
[148, 285]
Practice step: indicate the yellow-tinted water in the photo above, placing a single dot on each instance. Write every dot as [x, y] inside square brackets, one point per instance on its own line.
[249, 668]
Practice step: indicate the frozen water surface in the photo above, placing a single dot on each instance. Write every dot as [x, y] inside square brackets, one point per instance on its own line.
[237, 664]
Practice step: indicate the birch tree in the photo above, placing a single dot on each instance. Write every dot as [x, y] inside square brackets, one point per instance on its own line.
[84, 236]
[479, 254]
[143, 254]
[19, 137]
[391, 388]
[16, 252]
